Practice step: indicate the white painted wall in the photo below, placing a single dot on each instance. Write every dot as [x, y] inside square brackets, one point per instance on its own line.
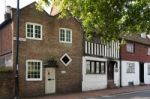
[96, 81]
[117, 74]
[6, 60]
[130, 77]
[146, 76]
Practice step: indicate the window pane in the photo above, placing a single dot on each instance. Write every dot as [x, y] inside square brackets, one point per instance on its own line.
[92, 68]
[148, 69]
[34, 70]
[88, 70]
[68, 35]
[102, 68]
[130, 47]
[37, 31]
[29, 30]
[62, 35]
[148, 53]
[130, 68]
[97, 68]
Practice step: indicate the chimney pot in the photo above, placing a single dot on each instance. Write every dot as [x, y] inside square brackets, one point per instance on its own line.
[8, 12]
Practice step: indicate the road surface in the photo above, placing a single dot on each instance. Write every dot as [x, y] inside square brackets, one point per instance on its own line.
[132, 95]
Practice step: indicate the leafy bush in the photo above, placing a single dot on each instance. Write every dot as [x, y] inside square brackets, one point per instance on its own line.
[4, 69]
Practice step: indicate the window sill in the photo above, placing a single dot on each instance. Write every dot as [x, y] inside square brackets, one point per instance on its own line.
[33, 79]
[65, 42]
[38, 39]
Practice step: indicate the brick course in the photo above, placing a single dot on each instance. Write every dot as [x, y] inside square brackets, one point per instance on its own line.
[140, 53]
[49, 47]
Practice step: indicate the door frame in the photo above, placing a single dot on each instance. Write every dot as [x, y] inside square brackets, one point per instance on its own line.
[111, 63]
[141, 72]
[47, 78]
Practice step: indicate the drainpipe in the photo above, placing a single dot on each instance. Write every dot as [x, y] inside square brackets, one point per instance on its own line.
[17, 54]
[120, 62]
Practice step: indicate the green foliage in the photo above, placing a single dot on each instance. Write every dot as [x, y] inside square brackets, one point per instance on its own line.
[110, 19]
[4, 69]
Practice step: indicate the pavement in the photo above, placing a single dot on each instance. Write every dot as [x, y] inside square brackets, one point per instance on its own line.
[97, 93]
[132, 95]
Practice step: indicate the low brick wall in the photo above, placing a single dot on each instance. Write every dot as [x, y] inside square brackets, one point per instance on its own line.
[6, 85]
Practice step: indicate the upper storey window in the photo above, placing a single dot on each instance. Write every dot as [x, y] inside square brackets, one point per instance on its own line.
[130, 47]
[33, 31]
[65, 35]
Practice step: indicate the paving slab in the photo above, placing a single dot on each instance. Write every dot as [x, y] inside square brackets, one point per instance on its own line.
[92, 94]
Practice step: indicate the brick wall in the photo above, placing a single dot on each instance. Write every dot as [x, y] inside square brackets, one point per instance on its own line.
[6, 85]
[6, 45]
[6, 39]
[140, 53]
[49, 47]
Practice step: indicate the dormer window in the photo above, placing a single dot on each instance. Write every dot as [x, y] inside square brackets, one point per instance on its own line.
[33, 31]
[65, 35]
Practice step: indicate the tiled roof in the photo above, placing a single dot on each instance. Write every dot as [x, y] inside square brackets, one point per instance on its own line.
[138, 39]
[5, 23]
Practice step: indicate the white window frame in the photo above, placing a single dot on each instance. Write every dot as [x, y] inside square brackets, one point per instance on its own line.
[95, 67]
[130, 68]
[34, 79]
[34, 24]
[65, 41]
[148, 51]
[148, 69]
[70, 60]
[130, 47]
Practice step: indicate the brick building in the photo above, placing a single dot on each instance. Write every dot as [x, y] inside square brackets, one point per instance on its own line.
[50, 51]
[135, 56]
[54, 56]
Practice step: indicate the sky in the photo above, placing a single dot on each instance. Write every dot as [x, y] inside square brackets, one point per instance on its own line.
[13, 4]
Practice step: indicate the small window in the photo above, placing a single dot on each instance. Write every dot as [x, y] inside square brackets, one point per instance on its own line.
[148, 52]
[148, 69]
[95, 67]
[33, 70]
[130, 68]
[66, 59]
[34, 31]
[130, 47]
[65, 35]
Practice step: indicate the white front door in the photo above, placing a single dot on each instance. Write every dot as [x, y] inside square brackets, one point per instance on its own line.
[50, 80]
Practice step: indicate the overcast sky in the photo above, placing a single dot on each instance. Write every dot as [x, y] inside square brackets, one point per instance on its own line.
[12, 3]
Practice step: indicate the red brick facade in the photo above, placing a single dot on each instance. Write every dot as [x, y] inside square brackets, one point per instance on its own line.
[140, 53]
[48, 47]
[6, 39]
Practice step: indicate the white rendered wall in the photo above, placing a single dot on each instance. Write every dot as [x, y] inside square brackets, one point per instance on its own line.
[146, 76]
[130, 77]
[117, 74]
[96, 81]
[93, 81]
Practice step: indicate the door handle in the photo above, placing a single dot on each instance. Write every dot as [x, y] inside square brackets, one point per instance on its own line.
[50, 79]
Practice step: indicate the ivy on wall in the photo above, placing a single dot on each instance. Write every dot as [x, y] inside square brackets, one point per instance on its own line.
[4, 69]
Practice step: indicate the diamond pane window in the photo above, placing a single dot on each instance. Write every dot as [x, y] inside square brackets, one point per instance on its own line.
[65, 59]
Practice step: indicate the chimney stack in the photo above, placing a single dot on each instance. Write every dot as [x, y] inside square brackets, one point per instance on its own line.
[8, 12]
